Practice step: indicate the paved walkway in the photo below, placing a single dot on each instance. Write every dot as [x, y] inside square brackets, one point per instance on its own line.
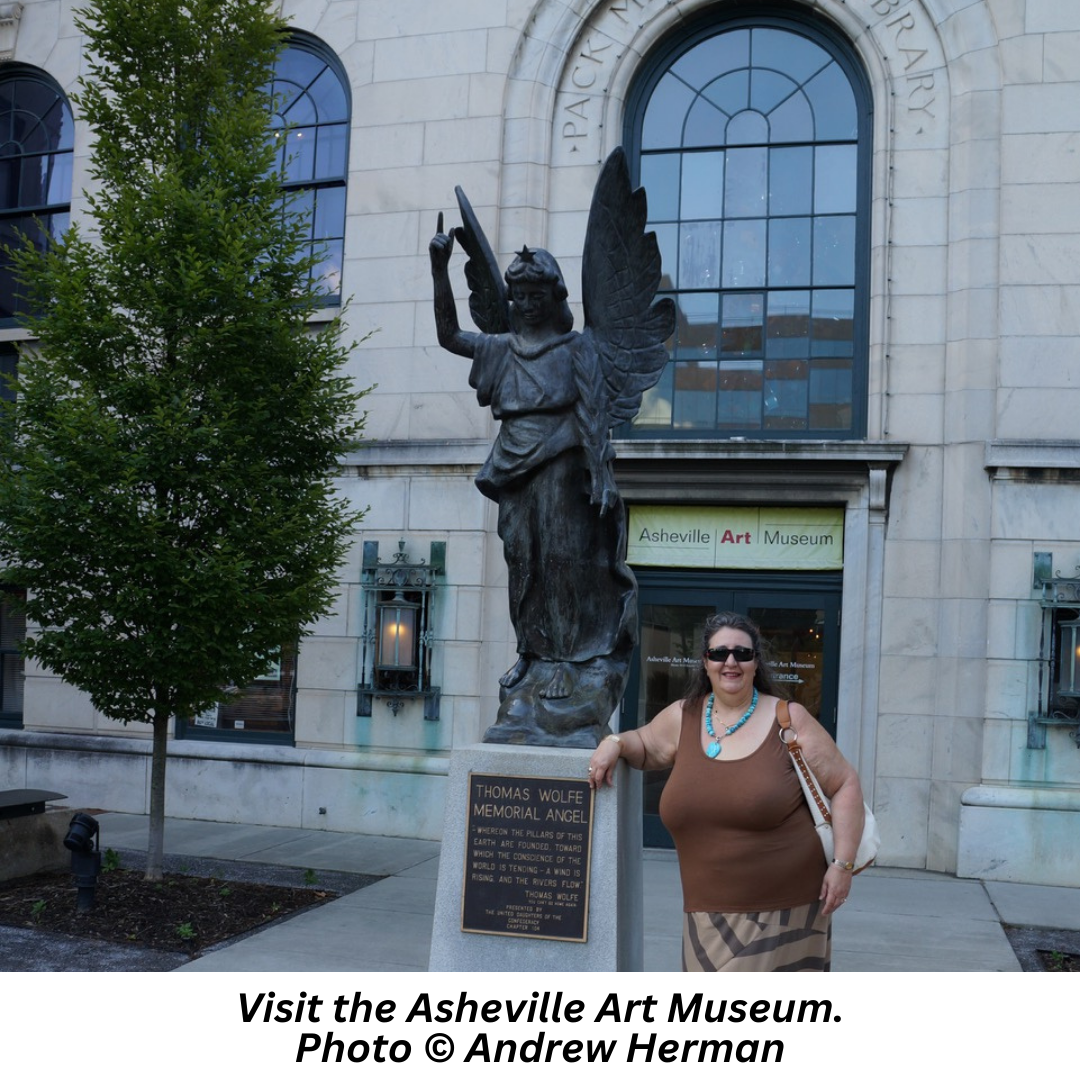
[896, 920]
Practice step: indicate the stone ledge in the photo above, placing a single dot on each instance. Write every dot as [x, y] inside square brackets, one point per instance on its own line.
[34, 844]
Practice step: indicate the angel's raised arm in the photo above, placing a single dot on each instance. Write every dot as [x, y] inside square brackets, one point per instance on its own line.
[451, 336]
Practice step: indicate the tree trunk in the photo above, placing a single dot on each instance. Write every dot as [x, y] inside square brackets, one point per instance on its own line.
[155, 848]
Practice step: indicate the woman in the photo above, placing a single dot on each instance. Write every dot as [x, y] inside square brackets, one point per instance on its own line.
[756, 891]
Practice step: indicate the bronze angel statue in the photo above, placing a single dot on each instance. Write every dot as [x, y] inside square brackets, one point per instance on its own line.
[557, 394]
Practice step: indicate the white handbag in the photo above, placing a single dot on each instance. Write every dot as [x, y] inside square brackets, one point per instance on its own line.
[820, 810]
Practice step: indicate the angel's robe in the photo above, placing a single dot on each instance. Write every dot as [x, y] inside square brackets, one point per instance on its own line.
[572, 597]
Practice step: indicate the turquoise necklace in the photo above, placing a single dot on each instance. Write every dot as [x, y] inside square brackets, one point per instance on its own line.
[713, 749]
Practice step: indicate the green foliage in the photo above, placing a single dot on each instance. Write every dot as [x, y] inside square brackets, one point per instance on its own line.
[110, 861]
[167, 492]
[37, 909]
[185, 931]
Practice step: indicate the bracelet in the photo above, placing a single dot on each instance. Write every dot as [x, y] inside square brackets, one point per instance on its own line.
[849, 866]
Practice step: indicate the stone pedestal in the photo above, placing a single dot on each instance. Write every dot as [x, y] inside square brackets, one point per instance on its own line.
[615, 937]
[34, 844]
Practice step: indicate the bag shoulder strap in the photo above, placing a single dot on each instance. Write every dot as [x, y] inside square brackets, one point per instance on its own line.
[806, 777]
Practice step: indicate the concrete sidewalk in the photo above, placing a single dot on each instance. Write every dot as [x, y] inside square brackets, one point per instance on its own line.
[896, 920]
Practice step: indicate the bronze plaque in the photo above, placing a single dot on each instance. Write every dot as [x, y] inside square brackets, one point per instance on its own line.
[527, 848]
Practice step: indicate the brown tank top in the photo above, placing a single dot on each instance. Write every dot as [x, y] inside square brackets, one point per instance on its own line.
[744, 834]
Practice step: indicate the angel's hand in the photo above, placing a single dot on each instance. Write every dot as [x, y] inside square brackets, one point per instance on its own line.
[441, 247]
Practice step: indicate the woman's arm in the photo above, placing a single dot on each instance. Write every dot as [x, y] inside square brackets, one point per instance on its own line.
[451, 336]
[650, 747]
[840, 783]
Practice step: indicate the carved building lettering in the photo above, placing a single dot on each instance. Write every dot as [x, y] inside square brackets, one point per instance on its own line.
[900, 26]
[911, 39]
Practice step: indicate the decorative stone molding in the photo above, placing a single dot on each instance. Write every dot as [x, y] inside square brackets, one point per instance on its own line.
[10, 14]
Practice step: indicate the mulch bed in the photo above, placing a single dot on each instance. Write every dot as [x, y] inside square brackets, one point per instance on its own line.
[200, 904]
[1040, 949]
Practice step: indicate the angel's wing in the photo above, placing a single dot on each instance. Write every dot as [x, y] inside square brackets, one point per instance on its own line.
[488, 301]
[620, 275]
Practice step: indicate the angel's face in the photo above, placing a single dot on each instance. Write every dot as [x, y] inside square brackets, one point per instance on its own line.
[534, 302]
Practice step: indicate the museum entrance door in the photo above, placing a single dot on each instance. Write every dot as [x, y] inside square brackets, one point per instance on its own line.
[799, 616]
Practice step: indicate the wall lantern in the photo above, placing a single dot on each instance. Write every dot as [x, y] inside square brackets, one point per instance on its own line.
[397, 640]
[1059, 653]
[1068, 675]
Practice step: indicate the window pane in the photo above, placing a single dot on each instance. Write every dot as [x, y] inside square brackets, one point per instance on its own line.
[768, 89]
[328, 96]
[789, 252]
[11, 685]
[655, 411]
[723, 52]
[834, 323]
[663, 121]
[327, 270]
[743, 321]
[789, 52]
[695, 396]
[696, 325]
[834, 251]
[333, 146]
[706, 125]
[298, 66]
[747, 128]
[300, 155]
[830, 393]
[792, 121]
[834, 179]
[744, 255]
[329, 213]
[739, 404]
[699, 255]
[667, 237]
[9, 362]
[702, 186]
[834, 105]
[786, 395]
[790, 180]
[730, 93]
[660, 179]
[745, 182]
[788, 330]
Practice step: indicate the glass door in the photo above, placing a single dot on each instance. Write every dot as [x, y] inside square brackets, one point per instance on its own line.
[799, 617]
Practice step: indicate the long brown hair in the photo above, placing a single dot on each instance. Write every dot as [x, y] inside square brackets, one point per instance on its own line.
[700, 687]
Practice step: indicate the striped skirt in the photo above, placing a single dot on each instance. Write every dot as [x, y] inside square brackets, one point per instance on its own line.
[795, 939]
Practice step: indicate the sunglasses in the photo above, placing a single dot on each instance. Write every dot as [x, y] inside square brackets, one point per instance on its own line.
[743, 653]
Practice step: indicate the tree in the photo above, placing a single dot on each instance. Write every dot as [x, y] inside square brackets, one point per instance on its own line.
[167, 482]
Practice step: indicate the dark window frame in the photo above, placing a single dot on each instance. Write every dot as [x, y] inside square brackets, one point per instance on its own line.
[655, 67]
[10, 718]
[285, 684]
[24, 216]
[330, 185]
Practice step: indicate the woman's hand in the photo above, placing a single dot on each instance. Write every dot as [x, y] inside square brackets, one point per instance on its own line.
[602, 763]
[835, 888]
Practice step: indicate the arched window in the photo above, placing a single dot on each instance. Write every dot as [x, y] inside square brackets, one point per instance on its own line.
[36, 139]
[752, 139]
[313, 103]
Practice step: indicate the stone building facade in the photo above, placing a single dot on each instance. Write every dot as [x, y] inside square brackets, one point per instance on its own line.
[869, 212]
